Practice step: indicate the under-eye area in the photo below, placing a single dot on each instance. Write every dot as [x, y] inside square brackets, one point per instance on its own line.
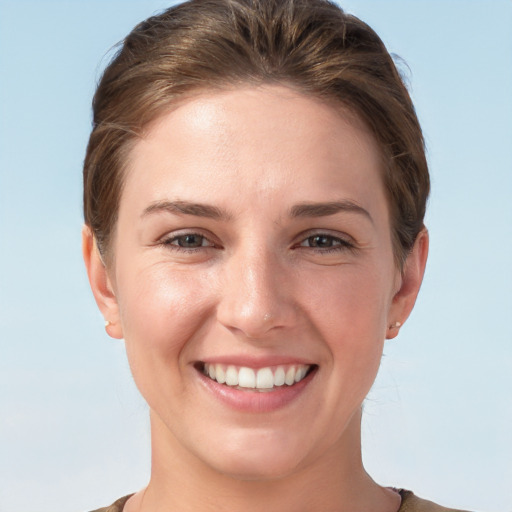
[261, 379]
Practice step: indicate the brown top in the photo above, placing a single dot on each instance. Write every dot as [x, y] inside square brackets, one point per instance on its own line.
[410, 503]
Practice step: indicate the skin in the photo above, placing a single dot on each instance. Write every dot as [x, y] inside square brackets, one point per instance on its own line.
[256, 286]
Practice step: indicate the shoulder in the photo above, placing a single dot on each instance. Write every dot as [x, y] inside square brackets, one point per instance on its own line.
[411, 503]
[117, 506]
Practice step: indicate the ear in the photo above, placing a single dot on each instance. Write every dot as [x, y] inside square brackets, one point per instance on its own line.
[409, 285]
[101, 284]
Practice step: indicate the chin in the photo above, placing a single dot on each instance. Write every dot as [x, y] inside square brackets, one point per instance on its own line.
[259, 457]
[249, 469]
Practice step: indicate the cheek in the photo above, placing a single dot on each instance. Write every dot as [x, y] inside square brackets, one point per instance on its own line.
[162, 310]
[350, 313]
[162, 313]
[357, 339]
[351, 304]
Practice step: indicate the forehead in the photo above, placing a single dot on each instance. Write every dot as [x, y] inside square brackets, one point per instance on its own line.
[262, 142]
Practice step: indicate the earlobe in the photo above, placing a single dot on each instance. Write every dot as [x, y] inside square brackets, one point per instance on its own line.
[101, 284]
[411, 279]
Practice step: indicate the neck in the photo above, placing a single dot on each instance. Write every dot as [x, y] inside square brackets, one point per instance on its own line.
[335, 481]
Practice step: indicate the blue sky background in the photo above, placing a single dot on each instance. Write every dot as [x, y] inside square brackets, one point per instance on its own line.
[73, 429]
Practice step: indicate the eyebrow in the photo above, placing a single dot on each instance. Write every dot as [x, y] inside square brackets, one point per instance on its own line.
[326, 209]
[212, 212]
[186, 208]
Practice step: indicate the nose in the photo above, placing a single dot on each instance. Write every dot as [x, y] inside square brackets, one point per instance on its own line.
[257, 295]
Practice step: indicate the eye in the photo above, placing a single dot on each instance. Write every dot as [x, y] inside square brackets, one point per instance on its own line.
[324, 241]
[188, 241]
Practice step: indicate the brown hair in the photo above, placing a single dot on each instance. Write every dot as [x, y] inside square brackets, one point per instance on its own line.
[310, 45]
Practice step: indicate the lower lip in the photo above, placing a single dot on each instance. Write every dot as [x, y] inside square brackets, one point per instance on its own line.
[256, 401]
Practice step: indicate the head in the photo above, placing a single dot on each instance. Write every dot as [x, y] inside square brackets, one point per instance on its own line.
[310, 46]
[255, 184]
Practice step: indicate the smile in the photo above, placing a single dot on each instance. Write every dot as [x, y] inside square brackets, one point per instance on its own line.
[261, 379]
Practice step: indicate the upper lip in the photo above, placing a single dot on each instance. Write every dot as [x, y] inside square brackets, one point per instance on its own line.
[255, 362]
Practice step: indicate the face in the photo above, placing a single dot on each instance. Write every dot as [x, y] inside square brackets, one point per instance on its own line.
[253, 278]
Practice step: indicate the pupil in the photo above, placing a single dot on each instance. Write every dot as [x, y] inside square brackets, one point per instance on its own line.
[320, 241]
[190, 241]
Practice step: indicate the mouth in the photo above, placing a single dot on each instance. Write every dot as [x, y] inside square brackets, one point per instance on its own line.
[261, 380]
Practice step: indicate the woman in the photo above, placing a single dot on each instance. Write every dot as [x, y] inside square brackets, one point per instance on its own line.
[254, 193]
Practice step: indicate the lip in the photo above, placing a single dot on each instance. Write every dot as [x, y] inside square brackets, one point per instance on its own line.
[256, 362]
[251, 401]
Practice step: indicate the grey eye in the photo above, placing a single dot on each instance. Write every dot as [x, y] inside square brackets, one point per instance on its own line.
[190, 241]
[322, 241]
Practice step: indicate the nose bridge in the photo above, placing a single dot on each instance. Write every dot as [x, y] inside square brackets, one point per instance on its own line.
[253, 300]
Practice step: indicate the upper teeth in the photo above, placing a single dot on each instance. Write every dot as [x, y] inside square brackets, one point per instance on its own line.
[263, 378]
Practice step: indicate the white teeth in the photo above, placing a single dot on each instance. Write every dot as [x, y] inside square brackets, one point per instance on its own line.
[220, 374]
[261, 379]
[246, 378]
[264, 378]
[232, 376]
[279, 376]
[289, 378]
